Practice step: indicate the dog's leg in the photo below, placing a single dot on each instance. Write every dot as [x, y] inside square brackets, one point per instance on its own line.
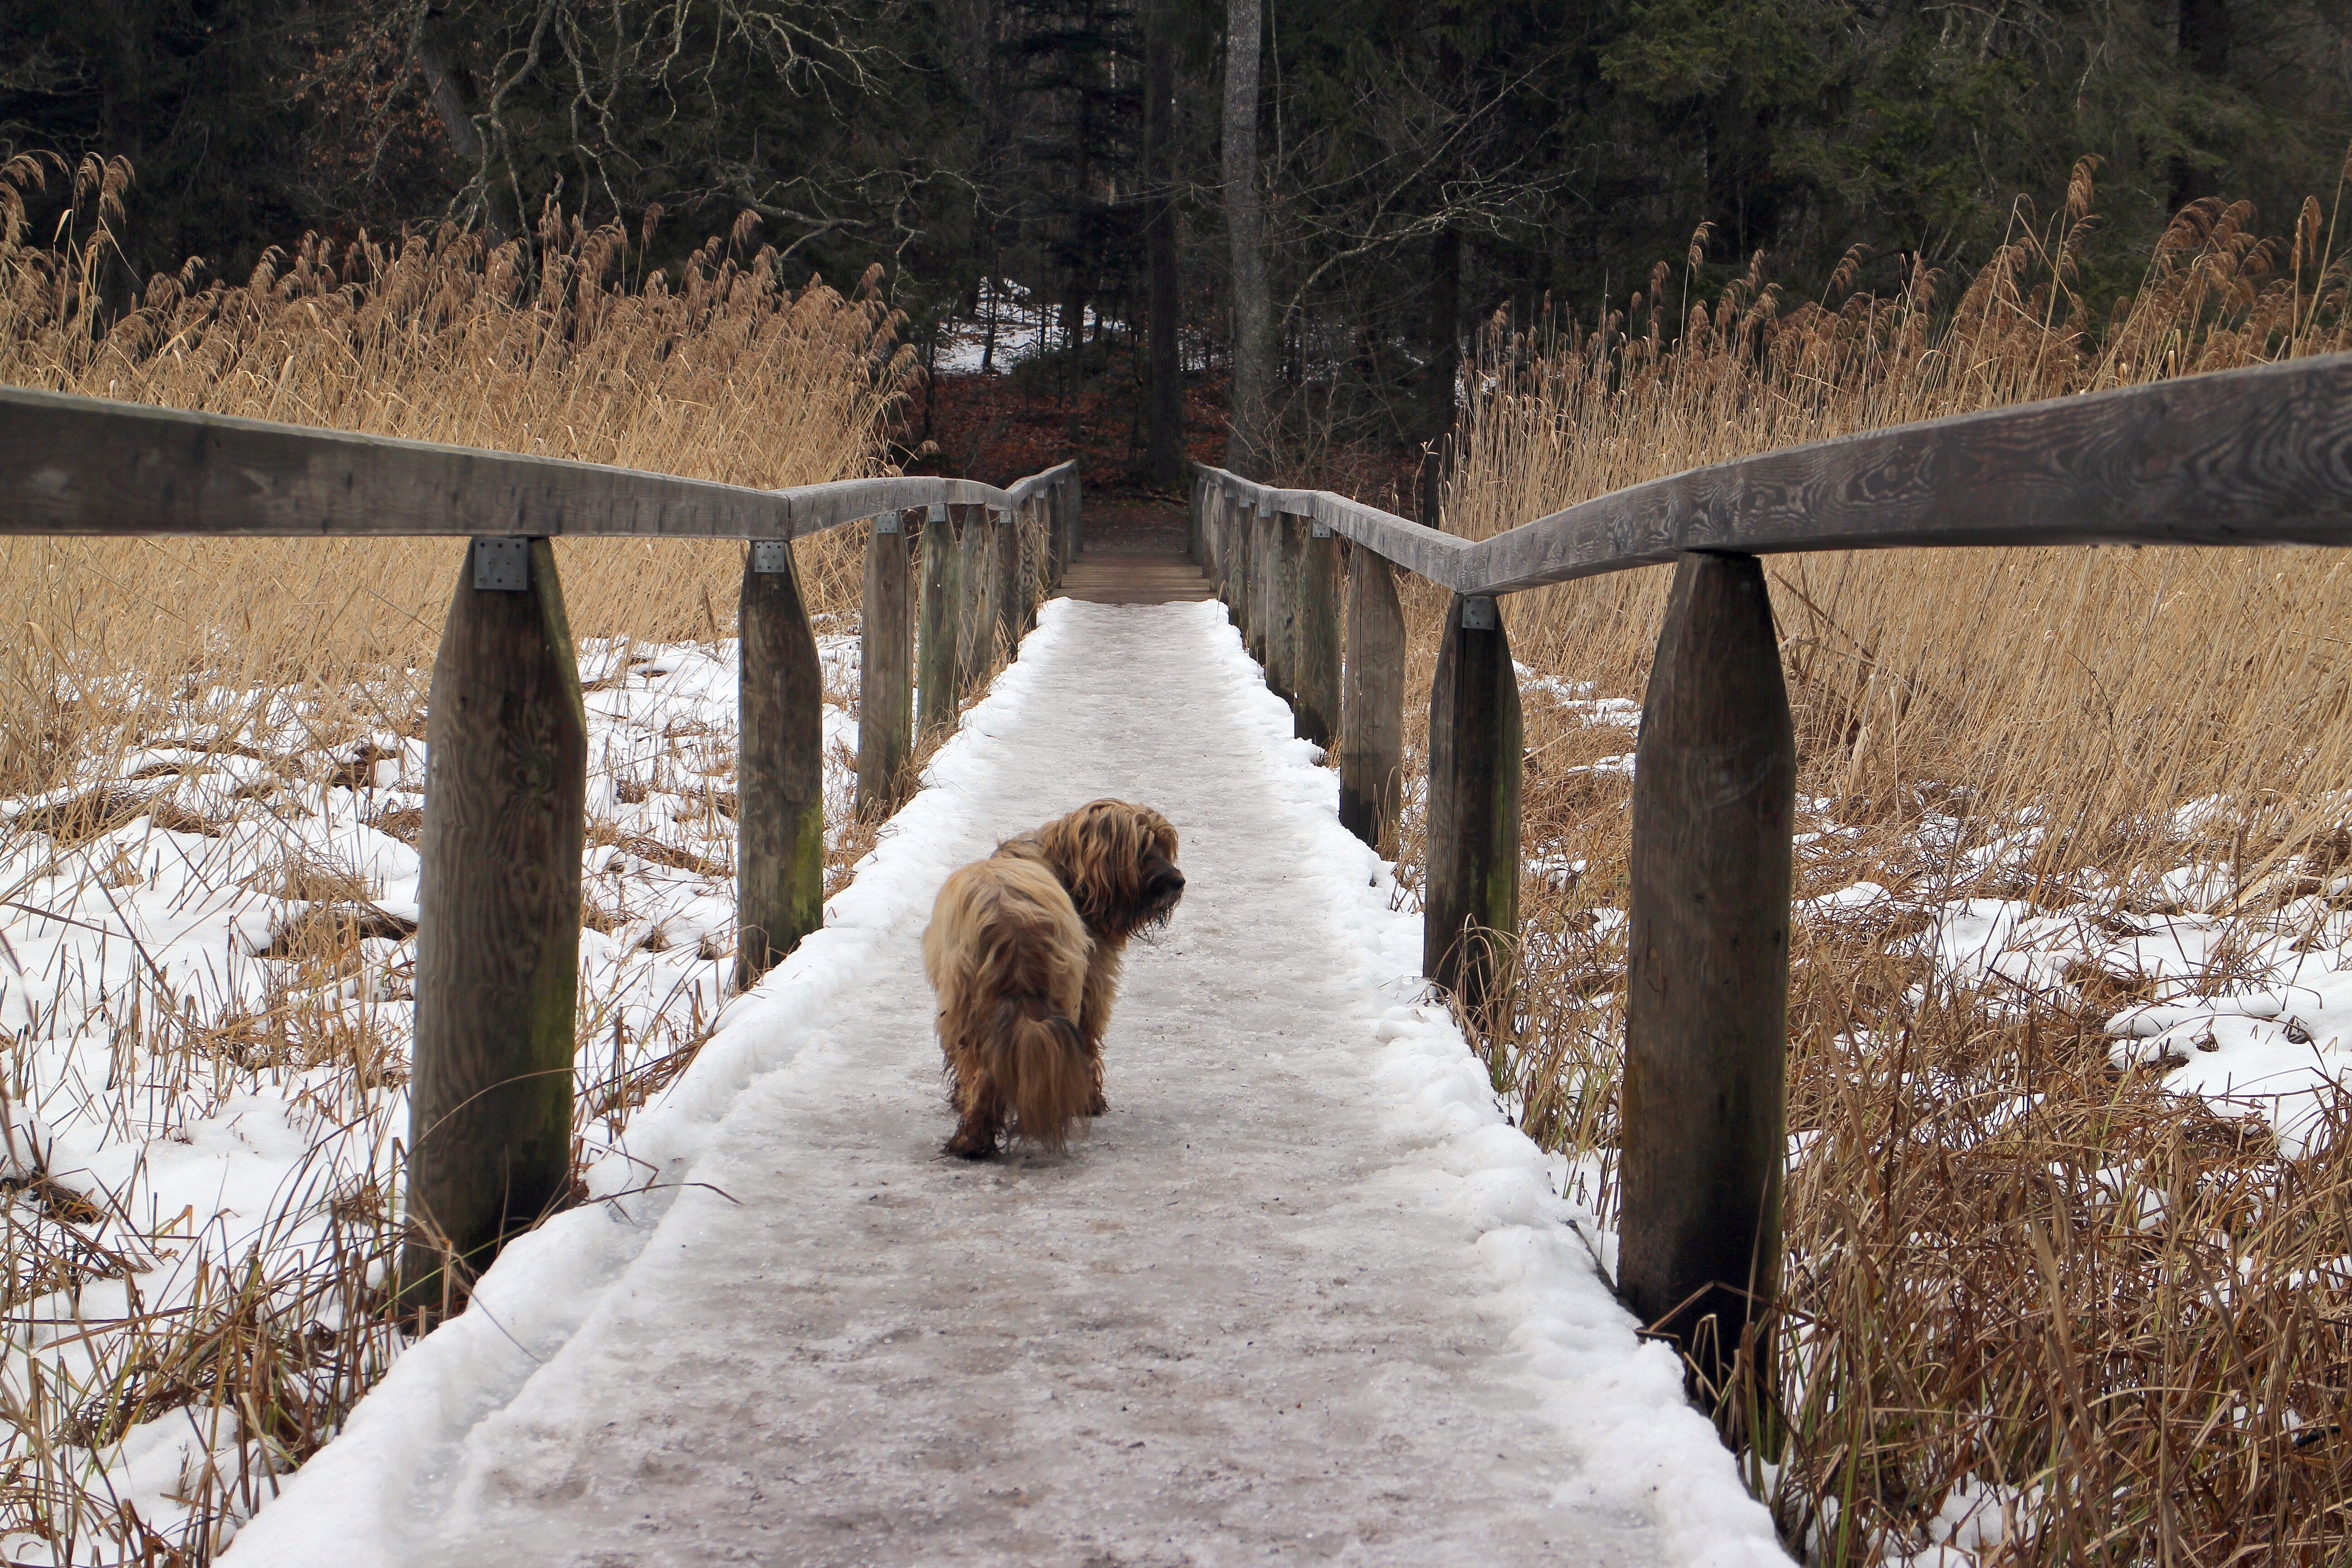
[981, 1115]
[1094, 1013]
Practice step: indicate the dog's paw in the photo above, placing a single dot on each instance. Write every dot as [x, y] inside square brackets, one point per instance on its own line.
[965, 1148]
[1098, 1105]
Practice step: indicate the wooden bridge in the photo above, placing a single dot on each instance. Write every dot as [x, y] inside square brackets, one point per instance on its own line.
[957, 575]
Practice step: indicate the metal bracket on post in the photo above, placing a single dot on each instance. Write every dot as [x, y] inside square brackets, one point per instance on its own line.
[939, 513]
[1479, 615]
[772, 557]
[886, 523]
[502, 565]
[1319, 531]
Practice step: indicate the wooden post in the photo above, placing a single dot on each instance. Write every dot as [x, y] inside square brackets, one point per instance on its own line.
[1228, 554]
[1012, 591]
[1288, 537]
[937, 649]
[1049, 504]
[886, 675]
[1371, 745]
[1074, 517]
[498, 939]
[1246, 583]
[1262, 574]
[1471, 897]
[779, 767]
[1707, 996]
[1315, 668]
[988, 589]
[975, 636]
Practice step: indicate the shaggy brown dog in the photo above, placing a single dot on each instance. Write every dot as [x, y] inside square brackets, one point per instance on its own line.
[1023, 951]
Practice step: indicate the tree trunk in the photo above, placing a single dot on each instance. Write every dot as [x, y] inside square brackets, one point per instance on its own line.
[2202, 37]
[1248, 433]
[1163, 456]
[451, 87]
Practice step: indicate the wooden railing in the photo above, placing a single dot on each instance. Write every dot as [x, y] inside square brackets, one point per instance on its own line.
[2256, 456]
[506, 730]
[2243, 457]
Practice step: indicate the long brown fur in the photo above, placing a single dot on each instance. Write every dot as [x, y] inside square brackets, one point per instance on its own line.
[1023, 951]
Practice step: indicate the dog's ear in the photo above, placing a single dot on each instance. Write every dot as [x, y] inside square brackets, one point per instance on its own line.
[1098, 851]
[1162, 830]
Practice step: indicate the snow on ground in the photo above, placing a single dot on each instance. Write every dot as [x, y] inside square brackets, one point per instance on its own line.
[146, 1150]
[1025, 327]
[2239, 995]
[2245, 991]
[203, 1069]
[1258, 1310]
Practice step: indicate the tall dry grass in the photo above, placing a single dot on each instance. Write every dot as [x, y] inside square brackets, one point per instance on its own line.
[720, 372]
[300, 655]
[2107, 686]
[2019, 1278]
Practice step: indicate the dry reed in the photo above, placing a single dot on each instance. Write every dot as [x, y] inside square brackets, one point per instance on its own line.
[301, 666]
[2022, 1280]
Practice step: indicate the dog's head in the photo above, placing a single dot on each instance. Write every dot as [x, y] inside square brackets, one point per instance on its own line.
[1118, 862]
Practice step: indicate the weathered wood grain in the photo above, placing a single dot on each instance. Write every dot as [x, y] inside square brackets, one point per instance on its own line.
[885, 674]
[938, 635]
[779, 775]
[1316, 642]
[1240, 525]
[988, 592]
[498, 939]
[1286, 539]
[92, 466]
[1073, 515]
[1230, 553]
[1436, 556]
[2261, 455]
[1265, 578]
[1708, 983]
[975, 633]
[1471, 901]
[1371, 713]
[1011, 590]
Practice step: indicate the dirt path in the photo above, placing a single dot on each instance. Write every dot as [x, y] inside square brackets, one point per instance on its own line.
[1254, 1316]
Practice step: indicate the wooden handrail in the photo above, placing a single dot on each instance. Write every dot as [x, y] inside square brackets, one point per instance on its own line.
[2255, 456]
[2249, 457]
[94, 466]
[506, 730]
[2260, 456]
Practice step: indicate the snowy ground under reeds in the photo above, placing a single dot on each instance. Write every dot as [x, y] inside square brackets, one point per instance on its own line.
[205, 998]
[204, 1004]
[2212, 985]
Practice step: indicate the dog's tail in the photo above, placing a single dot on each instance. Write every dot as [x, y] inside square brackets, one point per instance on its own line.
[1038, 1061]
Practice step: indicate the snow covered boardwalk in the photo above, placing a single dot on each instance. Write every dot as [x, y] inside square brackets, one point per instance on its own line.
[1302, 1295]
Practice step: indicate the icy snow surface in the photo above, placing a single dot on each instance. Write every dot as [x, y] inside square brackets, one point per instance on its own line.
[1302, 1294]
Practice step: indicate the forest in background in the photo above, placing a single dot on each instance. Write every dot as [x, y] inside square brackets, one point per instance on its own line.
[1308, 226]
